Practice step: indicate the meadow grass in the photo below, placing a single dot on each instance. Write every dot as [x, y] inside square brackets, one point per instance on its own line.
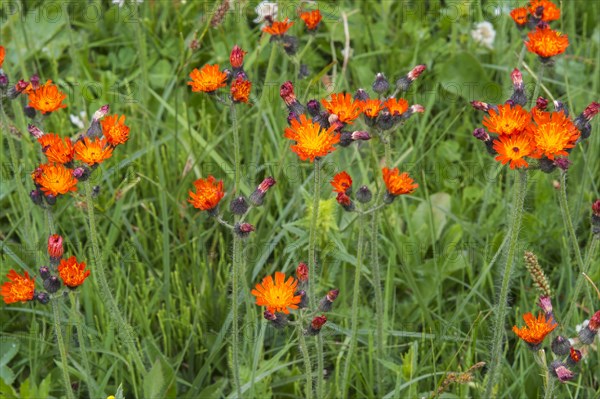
[168, 265]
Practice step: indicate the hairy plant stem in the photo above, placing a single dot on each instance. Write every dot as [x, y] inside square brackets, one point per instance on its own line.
[520, 189]
[82, 346]
[61, 348]
[126, 332]
[550, 386]
[355, 295]
[306, 357]
[583, 266]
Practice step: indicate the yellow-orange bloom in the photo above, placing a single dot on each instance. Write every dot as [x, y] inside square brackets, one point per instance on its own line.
[546, 42]
[520, 16]
[240, 90]
[311, 19]
[311, 140]
[341, 182]
[2, 54]
[343, 106]
[92, 152]
[114, 129]
[398, 183]
[54, 179]
[507, 120]
[536, 329]
[47, 98]
[513, 149]
[208, 193]
[72, 273]
[278, 28]
[18, 289]
[208, 79]
[551, 11]
[278, 296]
[553, 134]
[371, 107]
[396, 106]
[57, 149]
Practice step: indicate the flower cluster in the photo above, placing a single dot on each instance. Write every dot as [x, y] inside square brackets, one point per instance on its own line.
[278, 29]
[70, 161]
[209, 79]
[21, 288]
[523, 135]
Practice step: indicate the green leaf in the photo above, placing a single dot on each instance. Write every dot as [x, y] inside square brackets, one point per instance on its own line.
[6, 391]
[158, 381]
[9, 349]
[463, 76]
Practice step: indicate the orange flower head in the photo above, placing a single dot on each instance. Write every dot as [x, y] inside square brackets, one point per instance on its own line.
[396, 106]
[18, 289]
[520, 16]
[72, 273]
[311, 140]
[114, 129]
[343, 106]
[536, 329]
[54, 179]
[546, 42]
[398, 183]
[47, 98]
[2, 54]
[240, 90]
[208, 194]
[311, 19]
[208, 79]
[56, 149]
[278, 296]
[513, 149]
[553, 134]
[278, 28]
[371, 107]
[507, 120]
[342, 182]
[550, 11]
[92, 152]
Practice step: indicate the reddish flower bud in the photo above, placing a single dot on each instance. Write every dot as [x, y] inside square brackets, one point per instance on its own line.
[517, 78]
[545, 303]
[243, 230]
[345, 201]
[560, 371]
[480, 106]
[316, 325]
[541, 103]
[562, 163]
[575, 355]
[596, 207]
[302, 272]
[35, 131]
[102, 111]
[35, 82]
[591, 110]
[258, 196]
[360, 135]
[287, 93]
[481, 134]
[595, 321]
[236, 58]
[416, 72]
[55, 247]
[332, 295]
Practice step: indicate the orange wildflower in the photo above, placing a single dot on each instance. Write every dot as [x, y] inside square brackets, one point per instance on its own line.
[207, 195]
[311, 140]
[47, 98]
[72, 273]
[546, 42]
[92, 152]
[553, 134]
[55, 149]
[114, 129]
[278, 296]
[278, 28]
[341, 182]
[208, 79]
[343, 106]
[2, 54]
[240, 90]
[371, 107]
[520, 16]
[311, 19]
[18, 289]
[536, 329]
[513, 149]
[507, 120]
[54, 179]
[396, 106]
[550, 11]
[398, 183]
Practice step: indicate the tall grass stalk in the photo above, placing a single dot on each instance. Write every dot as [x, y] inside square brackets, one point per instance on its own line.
[498, 328]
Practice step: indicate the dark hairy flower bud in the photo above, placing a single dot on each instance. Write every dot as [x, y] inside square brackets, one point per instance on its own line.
[50, 199]
[44, 272]
[559, 370]
[574, 357]
[42, 297]
[35, 131]
[243, 230]
[481, 134]
[364, 195]
[52, 284]
[596, 217]
[238, 206]
[258, 196]
[290, 44]
[303, 299]
[583, 120]
[302, 272]
[345, 202]
[3, 80]
[304, 72]
[29, 111]
[313, 107]
[361, 95]
[36, 197]
[381, 84]
[316, 325]
[560, 106]
[541, 103]
[560, 346]
[404, 83]
[518, 96]
[236, 58]
[562, 163]
[81, 173]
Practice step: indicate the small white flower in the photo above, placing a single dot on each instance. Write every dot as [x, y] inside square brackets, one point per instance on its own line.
[78, 120]
[265, 9]
[484, 34]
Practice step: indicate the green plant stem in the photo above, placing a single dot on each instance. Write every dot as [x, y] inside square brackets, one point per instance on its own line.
[320, 366]
[379, 310]
[61, 348]
[520, 190]
[583, 266]
[355, 296]
[236, 147]
[306, 357]
[538, 83]
[550, 387]
[126, 332]
[82, 346]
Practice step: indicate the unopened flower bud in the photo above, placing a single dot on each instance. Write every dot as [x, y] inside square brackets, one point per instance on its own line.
[55, 247]
[17, 89]
[35, 131]
[243, 230]
[541, 103]
[518, 96]
[42, 297]
[302, 272]
[238, 206]
[35, 82]
[50, 199]
[361, 135]
[327, 302]
[101, 112]
[44, 272]
[381, 84]
[547, 165]
[562, 163]
[286, 91]
[413, 109]
[29, 111]
[52, 284]
[481, 134]
[3, 80]
[594, 323]
[278, 320]
[388, 198]
[313, 107]
[290, 44]
[481, 106]
[236, 58]
[545, 303]
[583, 121]
[269, 315]
[36, 197]
[316, 325]
[292, 116]
[560, 346]
[587, 335]
[364, 195]
[559, 370]
[404, 83]
[303, 299]
[81, 173]
[258, 196]
[574, 357]
[303, 72]
[95, 129]
[596, 217]
[345, 202]
[361, 95]
[560, 106]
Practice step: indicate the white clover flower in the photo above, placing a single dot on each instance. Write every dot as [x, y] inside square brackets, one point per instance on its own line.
[266, 9]
[484, 34]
